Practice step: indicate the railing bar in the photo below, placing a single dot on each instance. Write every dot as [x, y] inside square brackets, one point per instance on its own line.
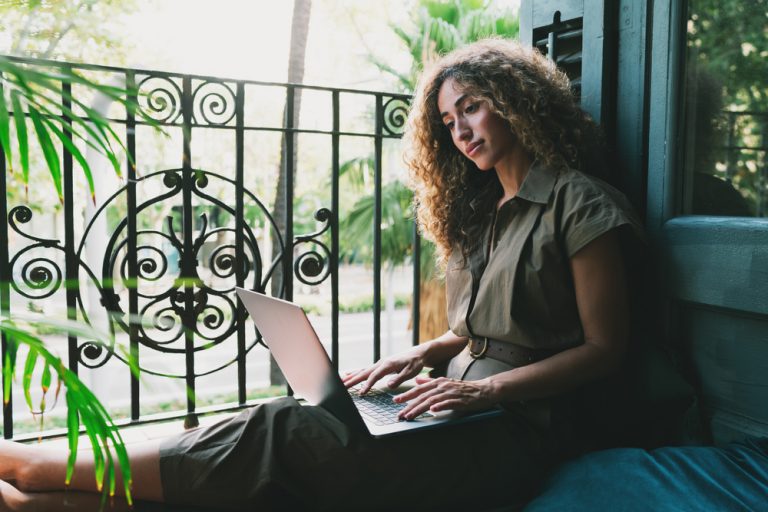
[743, 148]
[70, 265]
[249, 128]
[335, 233]
[552, 45]
[5, 280]
[763, 172]
[133, 265]
[330, 132]
[377, 230]
[239, 241]
[188, 264]
[166, 74]
[729, 166]
[149, 419]
[290, 138]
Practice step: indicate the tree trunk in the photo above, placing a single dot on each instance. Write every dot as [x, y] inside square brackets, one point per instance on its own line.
[299, 33]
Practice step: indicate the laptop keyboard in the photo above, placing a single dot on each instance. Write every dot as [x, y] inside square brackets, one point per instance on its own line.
[377, 405]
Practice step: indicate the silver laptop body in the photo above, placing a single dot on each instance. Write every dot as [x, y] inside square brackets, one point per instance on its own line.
[308, 369]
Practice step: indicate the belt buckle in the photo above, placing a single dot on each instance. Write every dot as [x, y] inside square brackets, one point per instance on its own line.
[482, 352]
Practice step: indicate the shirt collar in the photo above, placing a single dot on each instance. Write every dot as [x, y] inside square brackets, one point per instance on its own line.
[538, 183]
[488, 193]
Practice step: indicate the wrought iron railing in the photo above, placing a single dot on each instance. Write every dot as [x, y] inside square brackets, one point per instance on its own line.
[182, 236]
[745, 155]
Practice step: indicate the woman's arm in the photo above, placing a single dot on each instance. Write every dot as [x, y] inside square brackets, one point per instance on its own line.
[601, 295]
[409, 363]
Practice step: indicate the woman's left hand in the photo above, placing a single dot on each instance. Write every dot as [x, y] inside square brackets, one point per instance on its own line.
[444, 394]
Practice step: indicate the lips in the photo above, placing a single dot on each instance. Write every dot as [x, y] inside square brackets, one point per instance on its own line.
[472, 147]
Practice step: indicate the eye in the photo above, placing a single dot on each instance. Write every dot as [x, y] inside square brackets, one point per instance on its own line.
[472, 107]
[449, 125]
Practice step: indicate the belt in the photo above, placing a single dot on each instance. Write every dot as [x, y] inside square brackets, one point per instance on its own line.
[506, 352]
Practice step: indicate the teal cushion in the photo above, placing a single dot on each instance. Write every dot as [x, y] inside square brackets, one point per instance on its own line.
[733, 478]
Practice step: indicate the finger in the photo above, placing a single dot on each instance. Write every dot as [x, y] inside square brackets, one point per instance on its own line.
[376, 375]
[351, 376]
[357, 377]
[405, 374]
[418, 403]
[416, 409]
[423, 379]
[415, 391]
[450, 404]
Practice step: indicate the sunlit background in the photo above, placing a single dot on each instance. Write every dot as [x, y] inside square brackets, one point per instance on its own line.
[246, 39]
[370, 45]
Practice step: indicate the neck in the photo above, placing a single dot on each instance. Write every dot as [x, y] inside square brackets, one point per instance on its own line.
[512, 171]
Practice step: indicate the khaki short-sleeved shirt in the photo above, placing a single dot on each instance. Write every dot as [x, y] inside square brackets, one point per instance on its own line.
[521, 289]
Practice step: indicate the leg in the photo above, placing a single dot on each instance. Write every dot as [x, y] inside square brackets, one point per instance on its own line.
[12, 499]
[37, 468]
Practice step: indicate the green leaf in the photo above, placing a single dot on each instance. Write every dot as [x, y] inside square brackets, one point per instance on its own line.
[75, 152]
[5, 129]
[49, 151]
[21, 135]
[95, 432]
[45, 380]
[7, 378]
[125, 466]
[45, 385]
[98, 425]
[99, 145]
[26, 381]
[73, 436]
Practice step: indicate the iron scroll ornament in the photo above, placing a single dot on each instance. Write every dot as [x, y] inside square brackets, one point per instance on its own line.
[160, 99]
[312, 267]
[158, 284]
[395, 115]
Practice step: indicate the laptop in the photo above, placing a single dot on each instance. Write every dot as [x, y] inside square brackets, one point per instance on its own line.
[308, 369]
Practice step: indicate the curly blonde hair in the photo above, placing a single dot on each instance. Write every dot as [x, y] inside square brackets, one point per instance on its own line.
[523, 88]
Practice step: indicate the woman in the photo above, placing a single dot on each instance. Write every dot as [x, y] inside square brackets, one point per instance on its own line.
[537, 306]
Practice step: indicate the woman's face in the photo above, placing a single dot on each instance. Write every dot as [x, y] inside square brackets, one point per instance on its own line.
[479, 133]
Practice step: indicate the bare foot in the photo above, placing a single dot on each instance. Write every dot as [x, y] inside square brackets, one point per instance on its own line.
[11, 498]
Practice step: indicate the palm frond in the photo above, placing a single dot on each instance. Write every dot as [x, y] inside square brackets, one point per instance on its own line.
[83, 407]
[40, 95]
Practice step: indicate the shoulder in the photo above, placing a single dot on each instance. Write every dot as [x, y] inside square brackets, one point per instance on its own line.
[587, 207]
[575, 191]
[574, 184]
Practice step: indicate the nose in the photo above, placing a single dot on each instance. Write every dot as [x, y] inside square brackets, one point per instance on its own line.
[463, 132]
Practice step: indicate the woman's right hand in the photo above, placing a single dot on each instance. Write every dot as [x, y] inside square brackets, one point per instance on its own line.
[408, 364]
[404, 366]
